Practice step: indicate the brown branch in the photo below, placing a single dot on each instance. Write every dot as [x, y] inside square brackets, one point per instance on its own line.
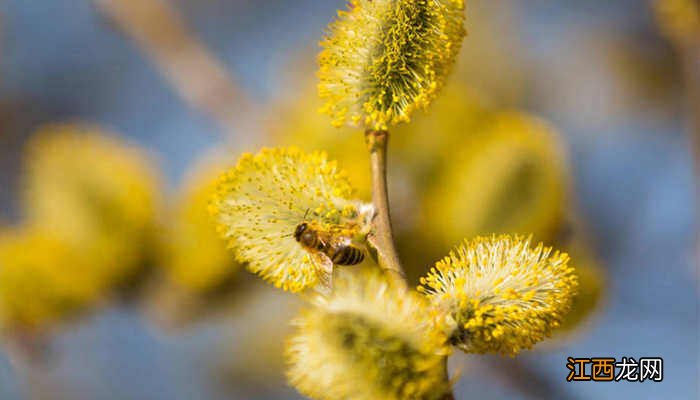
[382, 238]
[449, 395]
[196, 74]
[30, 355]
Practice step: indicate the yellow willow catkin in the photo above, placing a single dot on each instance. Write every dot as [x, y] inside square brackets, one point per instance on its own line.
[679, 20]
[96, 192]
[382, 59]
[43, 280]
[194, 257]
[297, 122]
[259, 204]
[510, 177]
[498, 295]
[368, 340]
[591, 292]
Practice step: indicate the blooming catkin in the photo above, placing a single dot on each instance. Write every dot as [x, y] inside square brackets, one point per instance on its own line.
[368, 340]
[259, 204]
[498, 295]
[382, 59]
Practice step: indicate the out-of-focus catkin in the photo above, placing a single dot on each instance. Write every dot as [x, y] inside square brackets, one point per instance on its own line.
[43, 281]
[194, 257]
[510, 176]
[679, 20]
[95, 192]
[369, 340]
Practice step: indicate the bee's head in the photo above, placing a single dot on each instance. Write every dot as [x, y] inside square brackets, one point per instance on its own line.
[301, 228]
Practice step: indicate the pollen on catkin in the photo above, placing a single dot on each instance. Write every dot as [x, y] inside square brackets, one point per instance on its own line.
[258, 205]
[368, 340]
[382, 59]
[498, 295]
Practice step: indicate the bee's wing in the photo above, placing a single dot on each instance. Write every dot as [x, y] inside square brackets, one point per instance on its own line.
[324, 269]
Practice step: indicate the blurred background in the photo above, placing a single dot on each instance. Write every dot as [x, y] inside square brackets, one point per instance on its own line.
[571, 121]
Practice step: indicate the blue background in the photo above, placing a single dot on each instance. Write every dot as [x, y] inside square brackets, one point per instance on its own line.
[633, 169]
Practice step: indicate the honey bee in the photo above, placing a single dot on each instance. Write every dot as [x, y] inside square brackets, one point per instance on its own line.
[328, 248]
[339, 249]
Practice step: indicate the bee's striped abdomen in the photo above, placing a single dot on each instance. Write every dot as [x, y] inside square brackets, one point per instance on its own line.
[348, 255]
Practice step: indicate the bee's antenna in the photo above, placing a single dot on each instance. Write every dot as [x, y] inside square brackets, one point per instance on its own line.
[306, 213]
